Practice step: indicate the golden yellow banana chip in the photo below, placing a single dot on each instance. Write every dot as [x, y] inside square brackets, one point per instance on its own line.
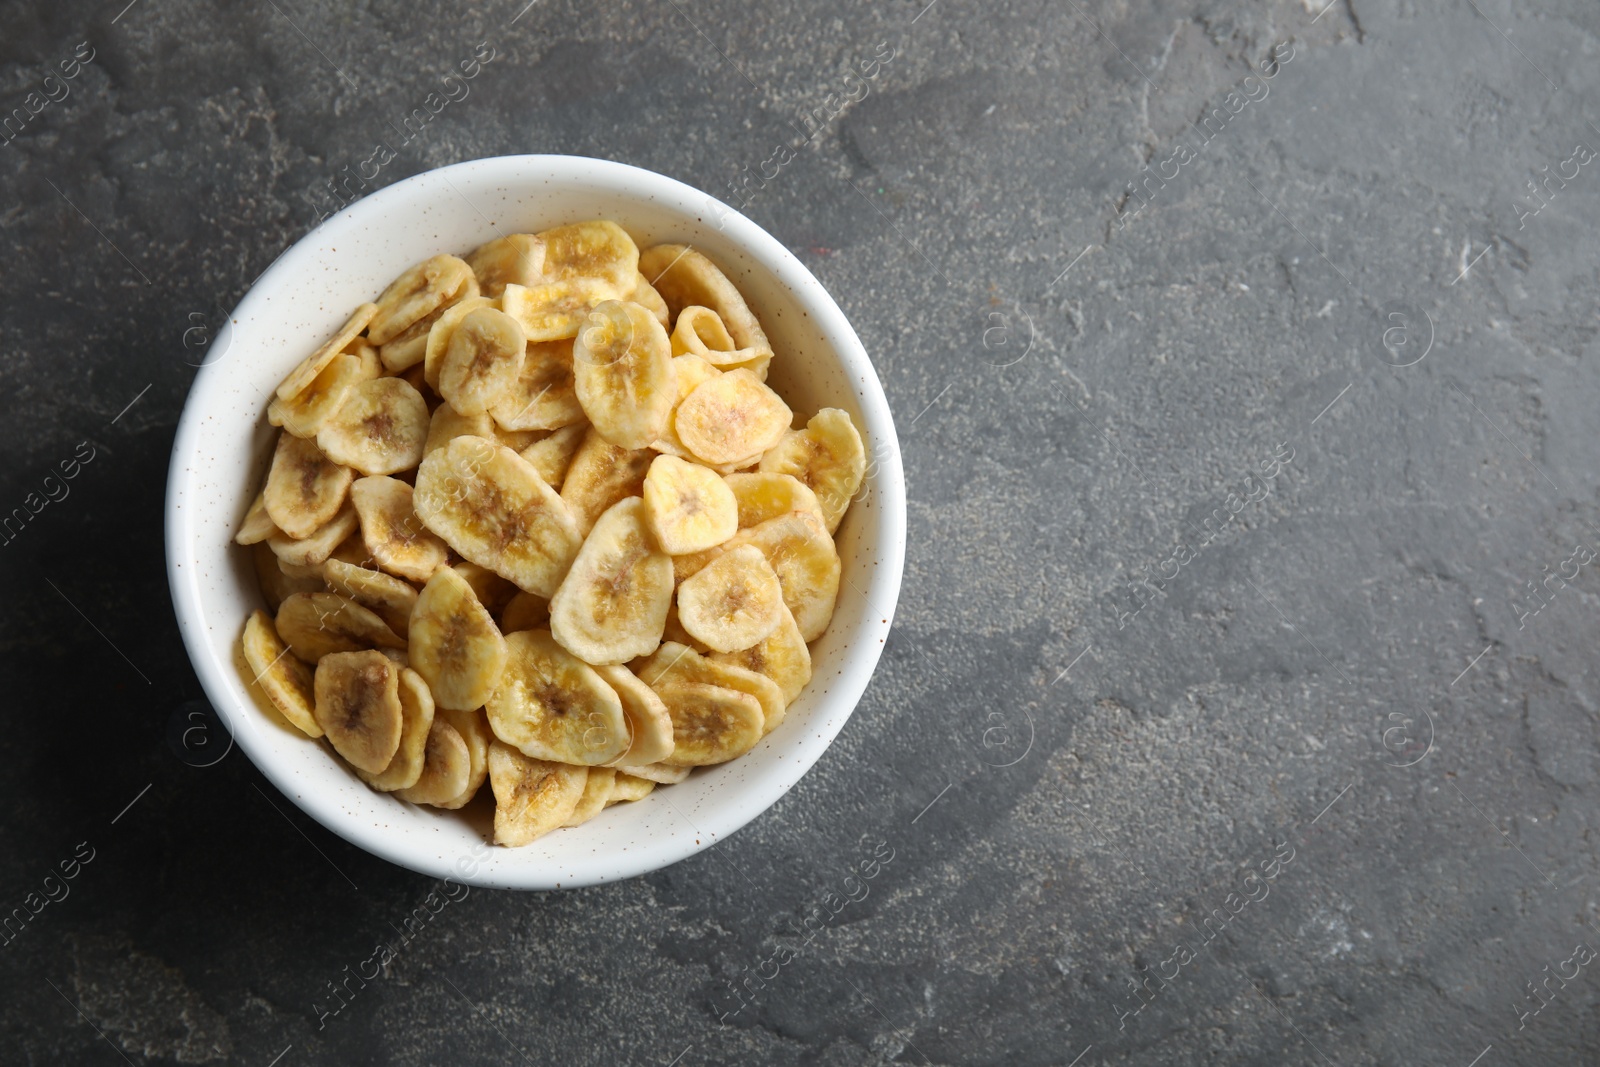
[304, 488]
[531, 796]
[645, 295]
[655, 773]
[446, 767]
[733, 602]
[315, 625]
[544, 395]
[474, 730]
[612, 605]
[368, 363]
[492, 591]
[782, 656]
[596, 794]
[304, 374]
[675, 663]
[699, 331]
[358, 707]
[516, 259]
[626, 787]
[416, 722]
[440, 333]
[599, 249]
[763, 496]
[446, 424]
[685, 278]
[304, 413]
[709, 724]
[731, 418]
[257, 525]
[800, 550]
[482, 362]
[407, 348]
[602, 474]
[379, 429]
[552, 705]
[827, 456]
[525, 612]
[623, 374]
[384, 595]
[312, 550]
[415, 294]
[649, 725]
[391, 530]
[454, 643]
[689, 508]
[552, 455]
[284, 678]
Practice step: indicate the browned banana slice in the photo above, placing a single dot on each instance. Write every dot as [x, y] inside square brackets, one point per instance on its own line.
[517, 258]
[304, 487]
[415, 294]
[689, 508]
[644, 294]
[474, 730]
[491, 506]
[544, 396]
[782, 656]
[492, 591]
[626, 787]
[596, 794]
[602, 474]
[525, 612]
[731, 418]
[383, 594]
[304, 413]
[552, 705]
[303, 375]
[612, 605]
[623, 374]
[446, 767]
[315, 625]
[358, 707]
[598, 249]
[416, 722]
[684, 278]
[658, 773]
[482, 361]
[379, 429]
[769, 496]
[699, 331]
[649, 725]
[285, 680]
[442, 330]
[552, 455]
[276, 587]
[454, 643]
[827, 456]
[257, 525]
[447, 424]
[531, 796]
[311, 551]
[675, 663]
[391, 530]
[709, 724]
[800, 550]
[733, 602]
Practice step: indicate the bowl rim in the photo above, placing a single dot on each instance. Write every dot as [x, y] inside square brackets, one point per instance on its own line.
[713, 822]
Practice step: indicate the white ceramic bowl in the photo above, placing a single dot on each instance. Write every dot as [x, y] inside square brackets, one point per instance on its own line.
[224, 443]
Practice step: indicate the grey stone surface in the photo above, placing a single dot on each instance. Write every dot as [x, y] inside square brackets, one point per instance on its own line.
[1344, 685]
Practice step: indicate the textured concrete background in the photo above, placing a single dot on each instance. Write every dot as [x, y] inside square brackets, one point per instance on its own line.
[1075, 801]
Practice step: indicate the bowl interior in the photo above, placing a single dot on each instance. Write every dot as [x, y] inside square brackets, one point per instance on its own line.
[224, 444]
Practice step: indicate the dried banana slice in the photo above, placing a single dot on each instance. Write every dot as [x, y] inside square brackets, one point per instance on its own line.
[416, 722]
[685, 278]
[552, 705]
[602, 474]
[304, 413]
[391, 530]
[732, 602]
[368, 363]
[303, 375]
[525, 612]
[446, 767]
[397, 655]
[544, 395]
[531, 796]
[699, 331]
[491, 506]
[311, 551]
[688, 371]
[383, 594]
[827, 456]
[407, 349]
[474, 730]
[517, 258]
[644, 294]
[597, 788]
[800, 550]
[299, 570]
[415, 294]
[658, 773]
[358, 707]
[315, 625]
[623, 374]
[731, 417]
[688, 507]
[447, 424]
[612, 605]
[709, 724]
[285, 680]
[782, 656]
[257, 525]
[626, 787]
[649, 725]
[276, 587]
[492, 591]
[597, 249]
[552, 455]
[379, 429]
[454, 643]
[304, 487]
[675, 663]
[554, 311]
[482, 361]
[442, 330]
[769, 496]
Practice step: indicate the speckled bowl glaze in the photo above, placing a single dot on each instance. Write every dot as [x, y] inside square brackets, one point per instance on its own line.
[224, 444]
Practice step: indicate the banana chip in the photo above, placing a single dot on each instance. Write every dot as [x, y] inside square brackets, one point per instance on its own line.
[304, 374]
[675, 663]
[552, 455]
[709, 724]
[649, 725]
[827, 456]
[393, 534]
[600, 249]
[474, 730]
[525, 612]
[285, 680]
[685, 278]
[416, 722]
[257, 525]
[440, 333]
[733, 602]
[315, 625]
[782, 656]
[623, 374]
[304, 488]
[382, 594]
[517, 259]
[645, 295]
[769, 496]
[415, 294]
[304, 413]
[482, 362]
[492, 591]
[602, 474]
[358, 707]
[368, 364]
[544, 395]
[447, 424]
[656, 773]
[612, 605]
[531, 796]
[454, 643]
[552, 705]
[311, 551]
[699, 332]
[731, 418]
[675, 632]
[596, 795]
[800, 550]
[491, 506]
[626, 787]
[446, 767]
[688, 507]
[379, 429]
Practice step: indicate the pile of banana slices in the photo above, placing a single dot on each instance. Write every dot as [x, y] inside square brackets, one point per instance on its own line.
[535, 516]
